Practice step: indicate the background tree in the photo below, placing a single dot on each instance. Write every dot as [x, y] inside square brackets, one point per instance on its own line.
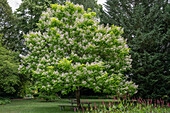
[29, 12]
[27, 15]
[92, 4]
[7, 20]
[12, 84]
[73, 51]
[146, 24]
[5, 14]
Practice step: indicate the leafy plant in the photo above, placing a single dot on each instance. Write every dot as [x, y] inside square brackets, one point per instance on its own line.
[126, 105]
[4, 101]
[49, 97]
[11, 82]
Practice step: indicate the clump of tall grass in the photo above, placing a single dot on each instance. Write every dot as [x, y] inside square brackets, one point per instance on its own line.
[127, 105]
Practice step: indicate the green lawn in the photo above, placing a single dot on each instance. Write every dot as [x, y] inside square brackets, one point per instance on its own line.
[34, 106]
[37, 106]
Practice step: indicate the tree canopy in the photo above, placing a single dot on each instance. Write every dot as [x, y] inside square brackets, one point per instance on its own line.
[26, 17]
[71, 50]
[7, 28]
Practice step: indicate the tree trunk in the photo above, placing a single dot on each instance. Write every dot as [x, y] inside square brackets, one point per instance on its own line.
[78, 97]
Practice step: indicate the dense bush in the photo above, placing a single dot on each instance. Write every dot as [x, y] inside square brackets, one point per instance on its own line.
[4, 101]
[10, 79]
[49, 97]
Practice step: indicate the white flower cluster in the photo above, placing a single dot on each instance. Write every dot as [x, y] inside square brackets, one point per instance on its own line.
[93, 54]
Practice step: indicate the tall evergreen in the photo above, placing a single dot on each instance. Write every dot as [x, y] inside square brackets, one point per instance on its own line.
[5, 14]
[7, 27]
[146, 27]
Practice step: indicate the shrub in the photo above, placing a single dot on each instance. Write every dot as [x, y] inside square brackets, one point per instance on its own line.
[49, 97]
[4, 101]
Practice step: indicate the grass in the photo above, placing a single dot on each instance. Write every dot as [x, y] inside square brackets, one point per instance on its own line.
[37, 106]
[34, 106]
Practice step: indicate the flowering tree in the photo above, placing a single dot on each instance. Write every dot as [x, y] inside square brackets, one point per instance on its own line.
[71, 50]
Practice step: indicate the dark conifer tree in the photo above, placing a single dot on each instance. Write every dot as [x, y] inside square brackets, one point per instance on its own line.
[7, 27]
[146, 27]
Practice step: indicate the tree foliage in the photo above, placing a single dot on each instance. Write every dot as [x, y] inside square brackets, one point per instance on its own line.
[30, 11]
[92, 4]
[147, 31]
[11, 82]
[5, 14]
[71, 50]
[28, 14]
[8, 30]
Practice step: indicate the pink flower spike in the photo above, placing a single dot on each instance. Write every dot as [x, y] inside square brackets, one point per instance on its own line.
[82, 108]
[103, 102]
[108, 105]
[117, 100]
[144, 101]
[87, 101]
[153, 104]
[91, 107]
[168, 104]
[148, 102]
[163, 103]
[151, 101]
[74, 109]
